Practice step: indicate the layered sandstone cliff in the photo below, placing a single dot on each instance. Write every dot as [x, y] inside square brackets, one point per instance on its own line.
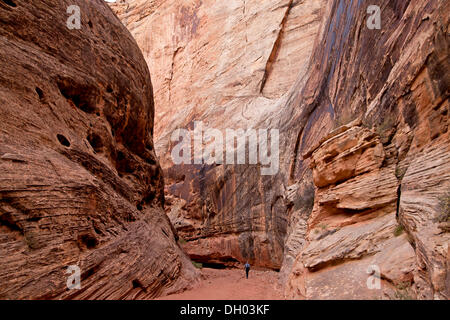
[348, 195]
[390, 169]
[352, 229]
[223, 63]
[79, 180]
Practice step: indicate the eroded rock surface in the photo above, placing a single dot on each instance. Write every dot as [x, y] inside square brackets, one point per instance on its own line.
[79, 180]
[226, 64]
[353, 224]
[345, 189]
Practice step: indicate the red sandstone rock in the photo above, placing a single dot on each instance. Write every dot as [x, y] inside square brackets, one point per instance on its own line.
[208, 66]
[394, 81]
[79, 180]
[224, 63]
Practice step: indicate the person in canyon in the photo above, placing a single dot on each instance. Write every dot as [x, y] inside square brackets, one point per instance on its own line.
[247, 269]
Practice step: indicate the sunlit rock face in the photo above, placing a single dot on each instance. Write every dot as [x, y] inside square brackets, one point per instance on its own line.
[363, 118]
[80, 184]
[228, 64]
[381, 182]
[353, 225]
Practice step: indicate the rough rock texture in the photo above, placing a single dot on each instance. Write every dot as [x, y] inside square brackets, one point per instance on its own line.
[396, 80]
[224, 63]
[353, 223]
[424, 210]
[79, 180]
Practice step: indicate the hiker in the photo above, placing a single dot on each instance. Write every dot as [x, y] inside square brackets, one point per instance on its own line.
[247, 269]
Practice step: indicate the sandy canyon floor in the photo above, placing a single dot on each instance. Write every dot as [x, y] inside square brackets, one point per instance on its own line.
[231, 284]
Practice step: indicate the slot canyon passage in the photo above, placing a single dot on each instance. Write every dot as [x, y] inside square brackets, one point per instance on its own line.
[87, 176]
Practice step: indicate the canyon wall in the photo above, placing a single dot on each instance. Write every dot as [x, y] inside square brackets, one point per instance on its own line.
[227, 64]
[79, 180]
[362, 192]
[382, 181]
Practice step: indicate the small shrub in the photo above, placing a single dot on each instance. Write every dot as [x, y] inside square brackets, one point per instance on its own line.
[400, 172]
[181, 240]
[198, 265]
[398, 230]
[403, 292]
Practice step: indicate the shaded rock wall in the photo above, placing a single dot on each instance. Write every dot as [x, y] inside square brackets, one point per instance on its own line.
[79, 180]
[353, 224]
[226, 64]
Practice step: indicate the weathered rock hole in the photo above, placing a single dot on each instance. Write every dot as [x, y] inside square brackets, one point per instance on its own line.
[7, 220]
[90, 24]
[109, 89]
[40, 93]
[88, 241]
[63, 140]
[120, 156]
[149, 198]
[97, 231]
[95, 141]
[138, 284]
[81, 97]
[135, 283]
[123, 164]
[221, 263]
[139, 207]
[10, 3]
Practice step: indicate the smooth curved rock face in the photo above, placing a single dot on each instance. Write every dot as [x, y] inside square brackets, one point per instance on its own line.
[228, 64]
[396, 80]
[80, 183]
